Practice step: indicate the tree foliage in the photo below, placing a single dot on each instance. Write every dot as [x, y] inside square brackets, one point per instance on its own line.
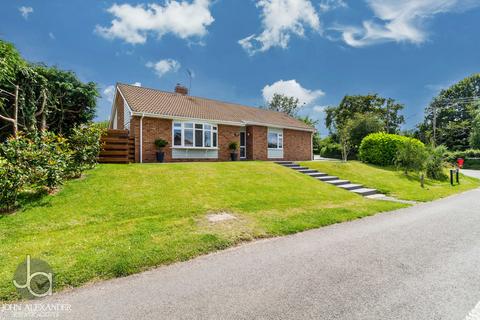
[283, 103]
[475, 131]
[452, 113]
[316, 136]
[48, 97]
[385, 109]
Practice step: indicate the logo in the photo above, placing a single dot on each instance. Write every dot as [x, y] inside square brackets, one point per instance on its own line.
[33, 279]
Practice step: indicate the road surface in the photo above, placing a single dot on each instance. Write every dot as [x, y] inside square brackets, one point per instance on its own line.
[417, 263]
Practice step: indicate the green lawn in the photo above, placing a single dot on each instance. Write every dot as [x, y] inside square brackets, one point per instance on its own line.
[391, 181]
[121, 219]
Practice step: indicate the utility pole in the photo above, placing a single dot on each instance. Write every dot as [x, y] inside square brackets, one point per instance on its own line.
[434, 125]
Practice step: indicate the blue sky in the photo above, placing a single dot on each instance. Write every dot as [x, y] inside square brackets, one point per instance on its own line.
[243, 50]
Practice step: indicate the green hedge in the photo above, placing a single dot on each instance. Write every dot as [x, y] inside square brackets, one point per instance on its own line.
[452, 156]
[381, 148]
[330, 149]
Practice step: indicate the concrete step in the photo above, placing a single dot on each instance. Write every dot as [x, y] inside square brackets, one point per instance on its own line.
[317, 174]
[338, 182]
[365, 191]
[284, 162]
[307, 171]
[293, 165]
[327, 178]
[351, 186]
[299, 168]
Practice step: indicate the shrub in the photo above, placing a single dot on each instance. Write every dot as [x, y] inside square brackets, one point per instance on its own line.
[451, 157]
[160, 143]
[435, 163]
[85, 146]
[411, 156]
[330, 149]
[55, 159]
[233, 146]
[381, 148]
[13, 178]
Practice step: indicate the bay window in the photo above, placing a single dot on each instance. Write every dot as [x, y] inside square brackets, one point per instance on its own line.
[195, 135]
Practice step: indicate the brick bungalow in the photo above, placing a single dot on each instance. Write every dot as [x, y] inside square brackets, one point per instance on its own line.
[200, 129]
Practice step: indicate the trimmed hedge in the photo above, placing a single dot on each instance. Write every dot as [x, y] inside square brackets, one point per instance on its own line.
[381, 148]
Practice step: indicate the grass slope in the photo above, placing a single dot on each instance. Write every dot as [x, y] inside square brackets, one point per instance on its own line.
[391, 181]
[122, 219]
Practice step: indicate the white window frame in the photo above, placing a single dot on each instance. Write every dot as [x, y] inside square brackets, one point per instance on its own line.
[214, 129]
[279, 140]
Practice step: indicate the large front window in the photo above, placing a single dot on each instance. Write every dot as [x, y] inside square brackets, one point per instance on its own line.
[275, 140]
[194, 135]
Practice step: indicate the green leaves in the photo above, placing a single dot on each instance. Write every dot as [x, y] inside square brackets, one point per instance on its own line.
[381, 148]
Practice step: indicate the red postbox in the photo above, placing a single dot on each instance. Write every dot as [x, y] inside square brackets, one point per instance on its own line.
[460, 162]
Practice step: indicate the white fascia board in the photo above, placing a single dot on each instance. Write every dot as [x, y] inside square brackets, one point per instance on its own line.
[154, 115]
[277, 126]
[125, 101]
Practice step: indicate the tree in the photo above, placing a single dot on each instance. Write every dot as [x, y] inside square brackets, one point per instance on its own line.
[316, 136]
[475, 131]
[283, 103]
[412, 156]
[387, 110]
[449, 116]
[33, 96]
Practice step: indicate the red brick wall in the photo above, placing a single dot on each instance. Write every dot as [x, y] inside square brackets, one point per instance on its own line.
[256, 143]
[297, 145]
[153, 129]
[227, 134]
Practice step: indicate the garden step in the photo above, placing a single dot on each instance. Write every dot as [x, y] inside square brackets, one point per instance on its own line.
[317, 174]
[307, 171]
[327, 178]
[351, 186]
[299, 168]
[284, 162]
[365, 191]
[338, 182]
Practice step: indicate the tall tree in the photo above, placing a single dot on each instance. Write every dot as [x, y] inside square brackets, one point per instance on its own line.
[475, 132]
[387, 110]
[448, 118]
[283, 103]
[316, 136]
[37, 96]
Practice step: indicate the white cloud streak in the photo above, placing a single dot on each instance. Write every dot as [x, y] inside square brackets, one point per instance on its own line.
[180, 18]
[400, 21]
[25, 11]
[164, 66]
[291, 88]
[280, 20]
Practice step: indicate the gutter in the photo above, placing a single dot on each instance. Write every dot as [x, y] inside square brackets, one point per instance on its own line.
[141, 138]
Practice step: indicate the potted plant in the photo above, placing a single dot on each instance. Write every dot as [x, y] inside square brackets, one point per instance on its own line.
[233, 146]
[160, 143]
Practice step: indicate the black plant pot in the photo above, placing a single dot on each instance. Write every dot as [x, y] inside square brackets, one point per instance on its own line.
[233, 156]
[160, 156]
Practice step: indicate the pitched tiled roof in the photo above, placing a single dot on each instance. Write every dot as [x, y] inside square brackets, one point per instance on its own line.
[168, 104]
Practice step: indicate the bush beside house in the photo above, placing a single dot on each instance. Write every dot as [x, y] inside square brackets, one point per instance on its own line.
[44, 160]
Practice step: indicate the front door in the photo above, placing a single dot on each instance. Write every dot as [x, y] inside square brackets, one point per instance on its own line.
[243, 145]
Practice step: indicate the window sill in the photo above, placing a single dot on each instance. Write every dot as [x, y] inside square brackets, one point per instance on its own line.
[194, 148]
[276, 149]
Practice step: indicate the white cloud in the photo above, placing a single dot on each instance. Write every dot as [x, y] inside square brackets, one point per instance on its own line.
[281, 19]
[329, 5]
[164, 66]
[109, 93]
[291, 88]
[181, 18]
[401, 21]
[137, 84]
[318, 109]
[25, 11]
